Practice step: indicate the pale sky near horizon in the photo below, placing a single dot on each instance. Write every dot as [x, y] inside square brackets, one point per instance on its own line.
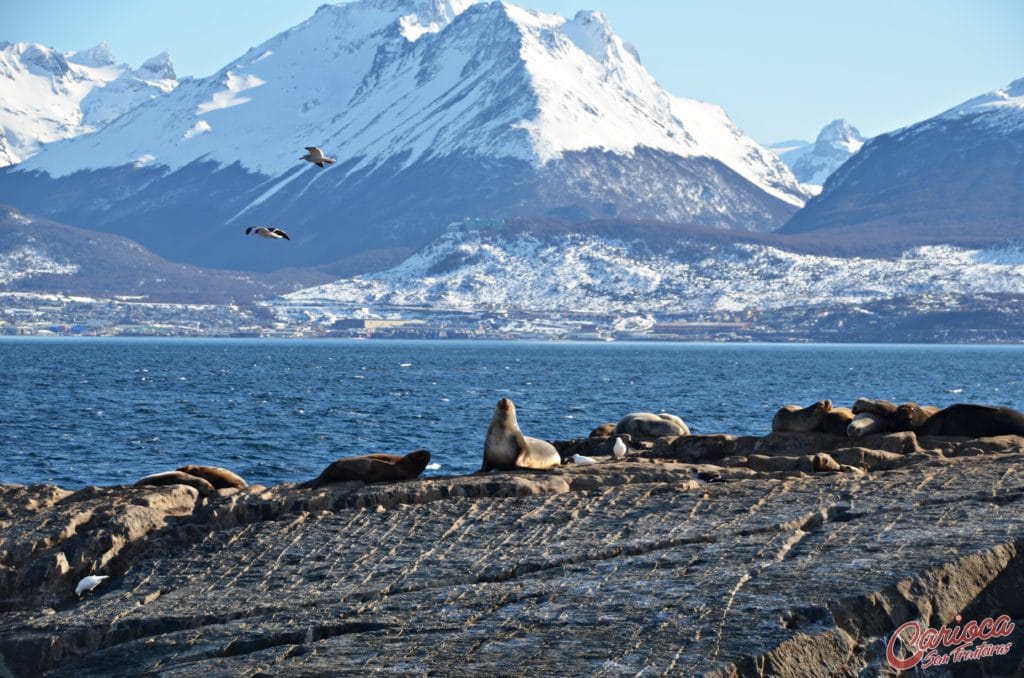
[782, 69]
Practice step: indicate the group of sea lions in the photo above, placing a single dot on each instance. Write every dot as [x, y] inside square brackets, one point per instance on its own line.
[205, 479]
[876, 416]
[507, 448]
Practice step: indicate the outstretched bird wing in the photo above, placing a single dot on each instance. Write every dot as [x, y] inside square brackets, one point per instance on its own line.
[281, 233]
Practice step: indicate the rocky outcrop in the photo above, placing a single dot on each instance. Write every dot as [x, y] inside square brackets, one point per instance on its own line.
[804, 559]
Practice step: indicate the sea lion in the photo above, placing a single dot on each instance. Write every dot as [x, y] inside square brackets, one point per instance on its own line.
[973, 421]
[796, 419]
[505, 446]
[177, 478]
[372, 468]
[603, 431]
[219, 477]
[866, 424]
[647, 425]
[911, 416]
[883, 408]
[837, 420]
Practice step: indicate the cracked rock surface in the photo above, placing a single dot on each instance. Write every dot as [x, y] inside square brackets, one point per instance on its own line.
[786, 567]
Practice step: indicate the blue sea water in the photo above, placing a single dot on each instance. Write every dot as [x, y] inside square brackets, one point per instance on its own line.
[81, 412]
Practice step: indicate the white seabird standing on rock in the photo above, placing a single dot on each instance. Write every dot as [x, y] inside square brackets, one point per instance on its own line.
[620, 449]
[316, 156]
[90, 582]
[263, 231]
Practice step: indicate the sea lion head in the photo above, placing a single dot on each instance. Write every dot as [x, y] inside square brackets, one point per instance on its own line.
[505, 406]
[416, 461]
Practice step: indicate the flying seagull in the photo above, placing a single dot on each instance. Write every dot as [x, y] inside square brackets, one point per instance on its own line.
[264, 232]
[89, 583]
[316, 156]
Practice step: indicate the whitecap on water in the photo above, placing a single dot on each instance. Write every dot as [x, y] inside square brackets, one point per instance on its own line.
[433, 467]
[954, 390]
[405, 365]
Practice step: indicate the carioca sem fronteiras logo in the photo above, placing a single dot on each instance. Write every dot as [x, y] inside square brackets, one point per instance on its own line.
[924, 643]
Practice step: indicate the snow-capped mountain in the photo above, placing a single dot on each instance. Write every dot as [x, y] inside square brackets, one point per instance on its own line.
[47, 96]
[956, 177]
[812, 163]
[588, 273]
[434, 110]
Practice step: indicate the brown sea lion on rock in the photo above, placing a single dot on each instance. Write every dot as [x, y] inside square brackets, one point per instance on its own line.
[603, 431]
[372, 468]
[974, 421]
[911, 416]
[649, 426]
[219, 477]
[837, 420]
[505, 446]
[879, 407]
[177, 478]
[796, 419]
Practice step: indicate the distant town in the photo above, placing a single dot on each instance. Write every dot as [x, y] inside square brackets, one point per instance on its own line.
[998, 319]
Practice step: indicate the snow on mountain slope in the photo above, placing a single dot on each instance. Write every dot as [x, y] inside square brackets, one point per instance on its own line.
[1003, 108]
[46, 96]
[591, 274]
[813, 163]
[417, 78]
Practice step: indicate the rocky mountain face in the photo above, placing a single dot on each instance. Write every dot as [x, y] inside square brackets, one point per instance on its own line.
[813, 163]
[47, 96]
[955, 178]
[435, 111]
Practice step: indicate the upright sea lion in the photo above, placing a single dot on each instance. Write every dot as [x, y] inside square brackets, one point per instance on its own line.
[219, 477]
[974, 421]
[505, 446]
[796, 419]
[372, 468]
[177, 478]
[911, 416]
[647, 425]
[837, 420]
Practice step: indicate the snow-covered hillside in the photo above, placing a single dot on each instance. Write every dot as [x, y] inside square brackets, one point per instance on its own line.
[46, 95]
[416, 77]
[813, 163]
[590, 274]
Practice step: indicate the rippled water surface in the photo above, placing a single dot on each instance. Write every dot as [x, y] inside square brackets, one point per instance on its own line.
[80, 412]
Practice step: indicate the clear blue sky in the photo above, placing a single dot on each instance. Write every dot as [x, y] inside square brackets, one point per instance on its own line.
[782, 69]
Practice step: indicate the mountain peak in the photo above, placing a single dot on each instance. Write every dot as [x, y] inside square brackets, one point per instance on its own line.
[159, 67]
[94, 57]
[839, 135]
[1004, 106]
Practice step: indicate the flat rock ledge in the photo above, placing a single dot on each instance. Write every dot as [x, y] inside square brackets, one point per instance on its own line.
[803, 560]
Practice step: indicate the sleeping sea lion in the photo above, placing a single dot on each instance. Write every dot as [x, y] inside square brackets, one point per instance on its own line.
[837, 420]
[603, 431]
[796, 419]
[219, 477]
[648, 426]
[177, 478]
[883, 408]
[974, 421]
[868, 424]
[372, 468]
[505, 446]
